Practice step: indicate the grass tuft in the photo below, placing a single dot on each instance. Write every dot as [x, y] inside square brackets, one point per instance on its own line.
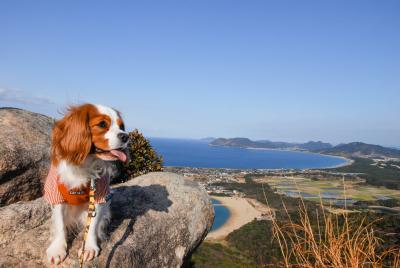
[333, 241]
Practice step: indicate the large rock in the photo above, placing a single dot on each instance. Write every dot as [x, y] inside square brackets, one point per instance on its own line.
[158, 219]
[24, 154]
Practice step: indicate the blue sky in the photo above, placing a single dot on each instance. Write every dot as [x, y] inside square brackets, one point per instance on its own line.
[278, 70]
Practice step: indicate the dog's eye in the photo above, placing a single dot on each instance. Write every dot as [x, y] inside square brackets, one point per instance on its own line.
[102, 124]
[122, 127]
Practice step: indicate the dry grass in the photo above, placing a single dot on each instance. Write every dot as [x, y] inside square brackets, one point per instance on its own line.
[333, 241]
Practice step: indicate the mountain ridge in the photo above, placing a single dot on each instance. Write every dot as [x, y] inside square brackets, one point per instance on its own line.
[352, 149]
[357, 149]
[267, 144]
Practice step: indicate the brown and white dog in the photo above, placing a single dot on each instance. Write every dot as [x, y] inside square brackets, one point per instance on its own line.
[81, 141]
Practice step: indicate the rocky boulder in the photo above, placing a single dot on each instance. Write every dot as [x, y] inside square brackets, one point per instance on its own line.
[24, 154]
[158, 219]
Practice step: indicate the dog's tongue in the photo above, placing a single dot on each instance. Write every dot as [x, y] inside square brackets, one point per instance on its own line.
[121, 156]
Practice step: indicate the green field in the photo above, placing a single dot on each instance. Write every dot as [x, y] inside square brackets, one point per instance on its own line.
[374, 175]
[329, 189]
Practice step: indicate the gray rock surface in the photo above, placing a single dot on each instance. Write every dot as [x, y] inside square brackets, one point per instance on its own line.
[24, 154]
[158, 219]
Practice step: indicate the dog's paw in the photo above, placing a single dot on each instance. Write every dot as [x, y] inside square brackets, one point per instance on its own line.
[56, 253]
[89, 253]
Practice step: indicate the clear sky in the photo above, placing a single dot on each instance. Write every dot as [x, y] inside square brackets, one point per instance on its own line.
[278, 70]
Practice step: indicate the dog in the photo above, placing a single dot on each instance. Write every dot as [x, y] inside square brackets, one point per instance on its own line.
[83, 143]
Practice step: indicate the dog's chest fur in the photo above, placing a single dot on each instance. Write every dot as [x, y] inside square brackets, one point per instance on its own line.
[73, 176]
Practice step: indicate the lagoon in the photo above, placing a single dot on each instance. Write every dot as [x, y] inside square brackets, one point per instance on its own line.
[222, 214]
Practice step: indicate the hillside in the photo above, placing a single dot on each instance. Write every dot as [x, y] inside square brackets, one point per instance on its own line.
[266, 144]
[359, 149]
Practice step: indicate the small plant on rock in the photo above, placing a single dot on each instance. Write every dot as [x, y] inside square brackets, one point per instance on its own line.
[142, 158]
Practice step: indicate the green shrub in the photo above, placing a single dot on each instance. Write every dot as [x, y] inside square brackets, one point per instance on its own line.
[209, 255]
[142, 158]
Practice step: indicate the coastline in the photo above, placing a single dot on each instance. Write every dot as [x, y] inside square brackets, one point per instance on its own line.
[242, 211]
[347, 162]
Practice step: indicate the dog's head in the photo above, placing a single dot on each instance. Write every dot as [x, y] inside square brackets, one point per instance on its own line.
[89, 129]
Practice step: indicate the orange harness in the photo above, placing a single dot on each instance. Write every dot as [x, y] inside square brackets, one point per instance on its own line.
[75, 196]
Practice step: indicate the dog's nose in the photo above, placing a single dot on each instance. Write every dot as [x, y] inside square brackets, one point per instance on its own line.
[123, 137]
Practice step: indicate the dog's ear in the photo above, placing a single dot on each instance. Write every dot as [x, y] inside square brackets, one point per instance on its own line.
[71, 137]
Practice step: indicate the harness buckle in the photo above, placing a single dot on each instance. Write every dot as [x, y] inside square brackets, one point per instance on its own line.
[92, 214]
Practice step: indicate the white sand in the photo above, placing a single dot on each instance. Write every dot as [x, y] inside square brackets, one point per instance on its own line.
[241, 212]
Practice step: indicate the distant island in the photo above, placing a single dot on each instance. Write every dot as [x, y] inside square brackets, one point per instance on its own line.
[208, 139]
[353, 149]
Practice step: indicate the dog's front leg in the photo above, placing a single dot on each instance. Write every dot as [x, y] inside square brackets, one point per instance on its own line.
[57, 251]
[91, 245]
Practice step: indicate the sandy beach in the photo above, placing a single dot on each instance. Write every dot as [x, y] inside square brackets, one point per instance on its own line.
[347, 163]
[242, 211]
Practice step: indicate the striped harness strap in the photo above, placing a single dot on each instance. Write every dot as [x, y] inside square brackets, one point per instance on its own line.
[91, 214]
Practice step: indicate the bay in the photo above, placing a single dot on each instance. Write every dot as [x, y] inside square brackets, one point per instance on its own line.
[197, 153]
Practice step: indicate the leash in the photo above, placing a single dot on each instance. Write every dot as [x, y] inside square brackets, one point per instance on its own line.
[91, 214]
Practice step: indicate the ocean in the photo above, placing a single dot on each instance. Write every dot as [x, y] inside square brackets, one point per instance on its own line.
[197, 153]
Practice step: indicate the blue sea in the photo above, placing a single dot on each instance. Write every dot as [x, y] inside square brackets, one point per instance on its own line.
[197, 153]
